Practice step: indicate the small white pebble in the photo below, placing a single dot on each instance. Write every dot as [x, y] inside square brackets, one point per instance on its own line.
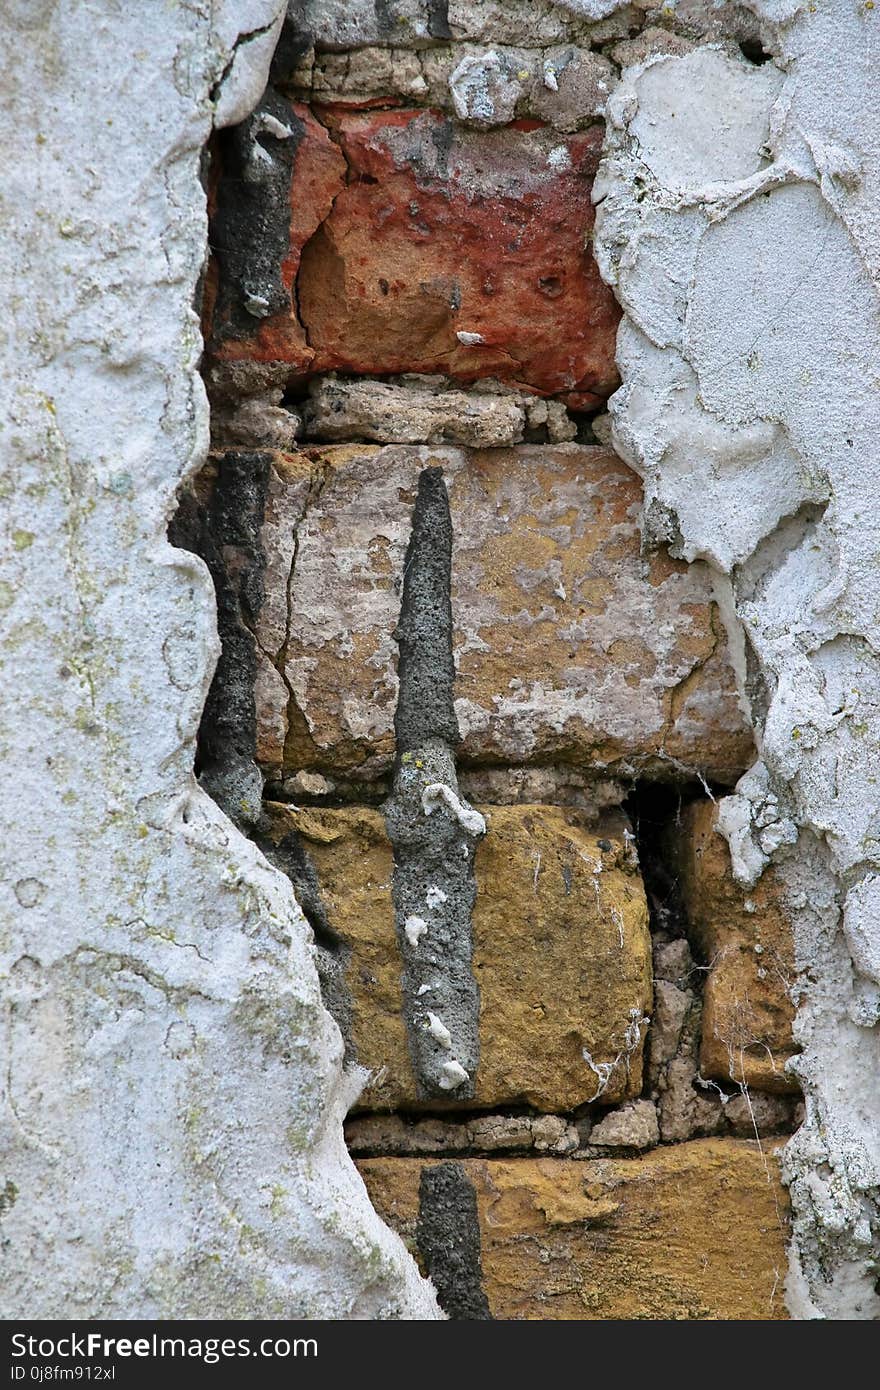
[256, 305]
[559, 158]
[438, 794]
[414, 929]
[437, 1028]
[452, 1075]
[274, 127]
[470, 339]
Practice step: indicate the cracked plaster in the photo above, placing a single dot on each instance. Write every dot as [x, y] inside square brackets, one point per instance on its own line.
[171, 1134]
[738, 208]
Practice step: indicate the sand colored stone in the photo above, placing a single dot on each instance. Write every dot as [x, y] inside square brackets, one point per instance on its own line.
[570, 646]
[746, 938]
[561, 954]
[696, 1231]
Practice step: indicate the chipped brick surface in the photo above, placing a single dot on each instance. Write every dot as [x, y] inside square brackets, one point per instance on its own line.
[569, 645]
[414, 245]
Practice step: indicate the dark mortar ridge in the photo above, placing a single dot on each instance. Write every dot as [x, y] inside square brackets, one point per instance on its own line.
[250, 232]
[226, 533]
[448, 1235]
[438, 19]
[433, 833]
[332, 954]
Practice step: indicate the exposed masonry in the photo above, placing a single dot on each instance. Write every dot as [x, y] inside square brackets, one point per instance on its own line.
[448, 1237]
[434, 833]
[560, 82]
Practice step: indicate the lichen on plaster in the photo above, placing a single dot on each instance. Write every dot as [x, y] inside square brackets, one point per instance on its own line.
[173, 1089]
[737, 222]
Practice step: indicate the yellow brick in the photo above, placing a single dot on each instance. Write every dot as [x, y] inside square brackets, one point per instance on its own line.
[561, 954]
[692, 1231]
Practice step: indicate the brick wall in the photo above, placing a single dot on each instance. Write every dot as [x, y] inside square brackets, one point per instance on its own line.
[475, 722]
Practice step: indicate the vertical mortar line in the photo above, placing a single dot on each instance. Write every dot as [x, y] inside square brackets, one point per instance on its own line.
[228, 537]
[448, 1236]
[433, 832]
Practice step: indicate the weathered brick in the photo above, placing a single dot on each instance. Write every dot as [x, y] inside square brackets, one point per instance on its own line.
[562, 954]
[278, 177]
[570, 646]
[441, 250]
[692, 1231]
[746, 939]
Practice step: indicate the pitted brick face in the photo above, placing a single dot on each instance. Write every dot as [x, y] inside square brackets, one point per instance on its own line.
[406, 243]
[465, 253]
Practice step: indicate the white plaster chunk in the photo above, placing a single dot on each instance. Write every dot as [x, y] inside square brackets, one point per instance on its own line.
[438, 794]
[738, 216]
[438, 1030]
[698, 119]
[171, 1078]
[452, 1075]
[251, 58]
[414, 929]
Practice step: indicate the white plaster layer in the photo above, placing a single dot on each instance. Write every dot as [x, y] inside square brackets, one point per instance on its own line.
[170, 1133]
[738, 222]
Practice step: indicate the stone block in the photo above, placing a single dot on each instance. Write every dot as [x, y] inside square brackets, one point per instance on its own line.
[746, 939]
[570, 645]
[696, 1231]
[561, 955]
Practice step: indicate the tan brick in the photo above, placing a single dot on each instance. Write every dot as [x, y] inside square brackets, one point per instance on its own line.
[561, 954]
[745, 937]
[691, 1231]
[570, 646]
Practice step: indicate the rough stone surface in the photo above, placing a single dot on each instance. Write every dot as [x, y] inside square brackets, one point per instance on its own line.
[372, 1135]
[446, 250]
[423, 410]
[671, 1008]
[761, 370]
[633, 1126]
[746, 940]
[448, 1237]
[569, 646]
[561, 954]
[696, 1231]
[171, 1136]
[564, 85]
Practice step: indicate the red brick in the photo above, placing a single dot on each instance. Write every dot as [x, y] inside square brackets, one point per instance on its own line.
[440, 231]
